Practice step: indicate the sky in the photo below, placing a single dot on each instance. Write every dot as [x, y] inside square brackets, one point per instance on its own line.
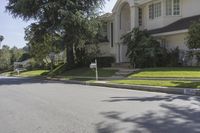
[13, 28]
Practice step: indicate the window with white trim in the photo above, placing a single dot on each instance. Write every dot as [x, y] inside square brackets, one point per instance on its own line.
[173, 7]
[155, 10]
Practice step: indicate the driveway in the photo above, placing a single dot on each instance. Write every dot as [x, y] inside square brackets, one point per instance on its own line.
[35, 106]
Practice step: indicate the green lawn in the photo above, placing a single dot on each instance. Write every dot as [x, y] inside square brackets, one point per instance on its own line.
[191, 72]
[162, 83]
[87, 72]
[10, 73]
[34, 73]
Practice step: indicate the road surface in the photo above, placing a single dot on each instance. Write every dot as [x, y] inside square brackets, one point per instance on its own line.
[35, 106]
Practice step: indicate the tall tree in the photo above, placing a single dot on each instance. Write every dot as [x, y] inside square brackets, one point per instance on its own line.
[5, 57]
[71, 18]
[1, 39]
[16, 54]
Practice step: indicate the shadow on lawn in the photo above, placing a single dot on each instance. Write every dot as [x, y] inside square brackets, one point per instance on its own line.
[170, 119]
[193, 84]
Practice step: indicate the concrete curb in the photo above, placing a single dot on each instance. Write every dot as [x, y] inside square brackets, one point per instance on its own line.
[169, 90]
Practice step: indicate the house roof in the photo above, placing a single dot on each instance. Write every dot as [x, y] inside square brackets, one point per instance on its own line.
[106, 17]
[181, 24]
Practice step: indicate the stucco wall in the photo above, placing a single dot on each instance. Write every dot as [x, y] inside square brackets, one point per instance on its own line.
[178, 40]
[105, 49]
[125, 19]
[188, 8]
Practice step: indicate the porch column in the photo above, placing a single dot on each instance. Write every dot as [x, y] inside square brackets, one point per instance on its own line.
[117, 35]
[134, 16]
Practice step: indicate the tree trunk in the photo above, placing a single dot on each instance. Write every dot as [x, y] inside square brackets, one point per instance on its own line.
[70, 55]
[69, 50]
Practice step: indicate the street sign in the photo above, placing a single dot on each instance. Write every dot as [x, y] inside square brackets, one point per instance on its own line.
[94, 66]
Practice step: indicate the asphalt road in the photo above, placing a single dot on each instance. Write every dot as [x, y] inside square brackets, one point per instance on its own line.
[34, 106]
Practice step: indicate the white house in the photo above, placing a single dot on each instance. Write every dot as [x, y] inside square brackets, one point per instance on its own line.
[167, 20]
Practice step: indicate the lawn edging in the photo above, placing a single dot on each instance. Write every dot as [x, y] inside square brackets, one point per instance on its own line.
[169, 90]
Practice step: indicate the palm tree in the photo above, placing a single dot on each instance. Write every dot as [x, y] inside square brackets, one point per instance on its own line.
[1, 39]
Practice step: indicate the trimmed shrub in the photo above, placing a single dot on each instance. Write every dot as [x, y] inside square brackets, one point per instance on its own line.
[105, 61]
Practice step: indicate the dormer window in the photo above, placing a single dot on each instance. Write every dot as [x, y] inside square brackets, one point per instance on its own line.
[172, 7]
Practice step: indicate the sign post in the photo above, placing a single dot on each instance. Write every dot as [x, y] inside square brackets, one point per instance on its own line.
[94, 66]
[97, 75]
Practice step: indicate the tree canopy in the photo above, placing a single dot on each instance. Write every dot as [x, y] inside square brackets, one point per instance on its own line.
[194, 40]
[71, 19]
[1, 38]
[194, 36]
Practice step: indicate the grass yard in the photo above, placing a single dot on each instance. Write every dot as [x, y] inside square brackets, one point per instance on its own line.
[190, 72]
[10, 73]
[34, 73]
[87, 72]
[162, 83]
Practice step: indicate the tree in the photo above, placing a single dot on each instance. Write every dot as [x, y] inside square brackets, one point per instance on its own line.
[1, 39]
[71, 18]
[5, 58]
[45, 48]
[194, 36]
[143, 50]
[194, 39]
[16, 54]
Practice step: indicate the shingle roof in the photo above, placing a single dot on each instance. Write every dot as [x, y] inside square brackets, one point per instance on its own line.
[181, 24]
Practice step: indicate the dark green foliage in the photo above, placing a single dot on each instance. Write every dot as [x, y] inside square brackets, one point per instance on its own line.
[194, 40]
[144, 51]
[72, 19]
[173, 58]
[5, 58]
[16, 54]
[105, 61]
[83, 58]
[24, 56]
[194, 36]
[10, 55]
[1, 38]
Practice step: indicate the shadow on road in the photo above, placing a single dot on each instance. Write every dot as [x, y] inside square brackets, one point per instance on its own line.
[167, 98]
[171, 119]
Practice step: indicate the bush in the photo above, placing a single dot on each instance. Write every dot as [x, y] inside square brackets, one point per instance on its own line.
[173, 57]
[105, 61]
[83, 58]
[144, 51]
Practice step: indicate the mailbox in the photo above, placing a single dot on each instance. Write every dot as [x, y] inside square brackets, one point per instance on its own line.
[93, 65]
